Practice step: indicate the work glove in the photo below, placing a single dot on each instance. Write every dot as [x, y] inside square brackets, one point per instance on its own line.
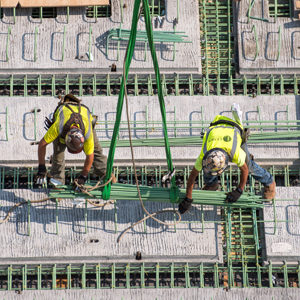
[41, 175]
[185, 205]
[234, 195]
[80, 180]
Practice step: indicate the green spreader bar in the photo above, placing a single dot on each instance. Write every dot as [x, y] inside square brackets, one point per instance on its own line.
[155, 194]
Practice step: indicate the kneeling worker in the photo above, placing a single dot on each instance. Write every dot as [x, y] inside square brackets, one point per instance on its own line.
[225, 141]
[71, 128]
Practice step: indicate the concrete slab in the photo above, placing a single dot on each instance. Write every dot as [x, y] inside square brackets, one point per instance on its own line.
[156, 242]
[50, 40]
[282, 238]
[21, 125]
[159, 294]
[276, 48]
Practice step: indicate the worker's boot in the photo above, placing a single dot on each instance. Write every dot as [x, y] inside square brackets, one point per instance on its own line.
[270, 191]
[213, 187]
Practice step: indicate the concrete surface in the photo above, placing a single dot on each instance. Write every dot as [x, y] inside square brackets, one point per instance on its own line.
[51, 34]
[159, 294]
[282, 238]
[18, 148]
[104, 225]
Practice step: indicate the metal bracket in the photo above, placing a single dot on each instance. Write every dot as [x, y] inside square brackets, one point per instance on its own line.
[168, 176]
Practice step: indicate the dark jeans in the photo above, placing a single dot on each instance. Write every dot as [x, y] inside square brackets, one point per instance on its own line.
[258, 173]
[58, 160]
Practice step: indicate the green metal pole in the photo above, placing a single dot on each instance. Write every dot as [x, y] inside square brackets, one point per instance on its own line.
[63, 45]
[35, 43]
[131, 44]
[159, 86]
[7, 42]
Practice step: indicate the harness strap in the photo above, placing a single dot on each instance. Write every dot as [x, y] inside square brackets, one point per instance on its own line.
[74, 118]
[227, 122]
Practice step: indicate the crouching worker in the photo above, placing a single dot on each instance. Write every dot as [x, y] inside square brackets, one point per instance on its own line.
[71, 127]
[225, 141]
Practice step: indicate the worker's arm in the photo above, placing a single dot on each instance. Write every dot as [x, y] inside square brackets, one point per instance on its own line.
[244, 176]
[87, 164]
[186, 204]
[190, 183]
[42, 151]
[82, 178]
[236, 194]
[42, 171]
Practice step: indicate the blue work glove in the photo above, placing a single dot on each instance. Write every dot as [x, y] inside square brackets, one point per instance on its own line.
[185, 205]
[41, 175]
[234, 195]
[81, 179]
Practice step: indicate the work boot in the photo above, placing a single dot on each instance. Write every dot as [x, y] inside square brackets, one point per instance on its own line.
[213, 187]
[270, 191]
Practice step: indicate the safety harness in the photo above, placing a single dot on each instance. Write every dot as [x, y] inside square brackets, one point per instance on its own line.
[227, 122]
[245, 133]
[75, 117]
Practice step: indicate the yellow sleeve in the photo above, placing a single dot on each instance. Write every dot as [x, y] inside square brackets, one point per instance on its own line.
[198, 163]
[239, 157]
[52, 133]
[88, 146]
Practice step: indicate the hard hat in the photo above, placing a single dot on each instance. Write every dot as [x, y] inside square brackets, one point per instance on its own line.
[74, 140]
[215, 161]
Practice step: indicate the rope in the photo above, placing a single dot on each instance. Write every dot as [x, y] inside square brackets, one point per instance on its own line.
[152, 216]
[7, 217]
[88, 188]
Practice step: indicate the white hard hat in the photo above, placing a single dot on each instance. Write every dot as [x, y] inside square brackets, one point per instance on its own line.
[74, 140]
[215, 161]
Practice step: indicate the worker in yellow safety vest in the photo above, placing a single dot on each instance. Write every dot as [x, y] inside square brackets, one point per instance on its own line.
[225, 141]
[71, 127]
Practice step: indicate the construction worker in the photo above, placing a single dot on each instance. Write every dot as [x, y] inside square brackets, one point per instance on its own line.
[72, 127]
[225, 141]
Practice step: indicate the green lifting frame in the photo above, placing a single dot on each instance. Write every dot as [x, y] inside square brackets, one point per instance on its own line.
[128, 58]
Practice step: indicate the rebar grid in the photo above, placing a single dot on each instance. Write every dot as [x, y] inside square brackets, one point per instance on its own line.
[23, 177]
[146, 275]
[140, 84]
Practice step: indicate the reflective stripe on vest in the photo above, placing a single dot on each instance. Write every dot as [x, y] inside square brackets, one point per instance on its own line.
[61, 120]
[234, 142]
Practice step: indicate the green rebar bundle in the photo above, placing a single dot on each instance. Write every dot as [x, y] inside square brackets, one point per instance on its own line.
[155, 194]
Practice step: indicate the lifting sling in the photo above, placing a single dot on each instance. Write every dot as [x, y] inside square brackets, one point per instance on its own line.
[131, 44]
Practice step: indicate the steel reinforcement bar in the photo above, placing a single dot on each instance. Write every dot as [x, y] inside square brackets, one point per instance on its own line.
[141, 84]
[23, 177]
[145, 275]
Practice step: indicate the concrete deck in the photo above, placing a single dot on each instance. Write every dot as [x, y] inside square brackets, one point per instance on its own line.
[269, 41]
[50, 38]
[159, 294]
[104, 225]
[282, 238]
[21, 125]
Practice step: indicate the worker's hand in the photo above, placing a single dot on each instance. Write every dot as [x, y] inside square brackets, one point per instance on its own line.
[185, 205]
[234, 195]
[78, 182]
[41, 175]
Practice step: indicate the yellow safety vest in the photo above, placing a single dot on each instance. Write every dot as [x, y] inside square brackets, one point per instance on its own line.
[61, 116]
[226, 137]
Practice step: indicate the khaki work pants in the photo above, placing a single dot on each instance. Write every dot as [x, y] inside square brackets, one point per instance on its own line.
[58, 160]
